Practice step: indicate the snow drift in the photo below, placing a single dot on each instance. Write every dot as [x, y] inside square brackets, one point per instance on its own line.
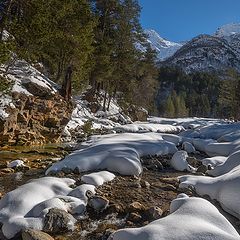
[116, 152]
[190, 219]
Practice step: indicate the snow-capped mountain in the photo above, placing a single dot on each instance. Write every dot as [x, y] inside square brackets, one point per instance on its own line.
[163, 47]
[214, 53]
[205, 53]
[228, 30]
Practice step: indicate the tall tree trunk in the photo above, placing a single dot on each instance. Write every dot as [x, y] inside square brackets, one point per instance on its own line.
[66, 90]
[105, 101]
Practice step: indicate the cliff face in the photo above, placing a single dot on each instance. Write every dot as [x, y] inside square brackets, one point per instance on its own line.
[31, 110]
[34, 120]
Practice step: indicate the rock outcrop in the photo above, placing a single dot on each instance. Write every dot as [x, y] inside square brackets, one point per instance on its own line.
[34, 120]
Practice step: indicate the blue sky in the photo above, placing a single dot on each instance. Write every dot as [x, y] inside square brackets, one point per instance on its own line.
[179, 20]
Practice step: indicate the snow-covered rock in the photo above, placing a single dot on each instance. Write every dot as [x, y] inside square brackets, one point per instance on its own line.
[213, 161]
[179, 161]
[189, 219]
[222, 188]
[16, 206]
[15, 163]
[188, 147]
[98, 178]
[226, 166]
[117, 153]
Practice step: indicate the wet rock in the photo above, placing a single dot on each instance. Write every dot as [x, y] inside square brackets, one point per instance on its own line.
[202, 169]
[193, 162]
[58, 221]
[134, 217]
[135, 185]
[154, 213]
[98, 203]
[115, 208]
[136, 207]
[30, 234]
[7, 170]
[145, 184]
[173, 181]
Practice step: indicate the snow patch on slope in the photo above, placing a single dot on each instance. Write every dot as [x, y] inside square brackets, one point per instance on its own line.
[163, 47]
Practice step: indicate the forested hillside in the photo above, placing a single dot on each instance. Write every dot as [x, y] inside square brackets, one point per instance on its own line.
[81, 42]
[77, 43]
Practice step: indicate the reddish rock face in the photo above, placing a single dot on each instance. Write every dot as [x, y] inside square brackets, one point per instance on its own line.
[35, 120]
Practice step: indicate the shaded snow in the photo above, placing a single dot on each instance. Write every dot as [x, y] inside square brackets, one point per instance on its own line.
[117, 153]
[189, 219]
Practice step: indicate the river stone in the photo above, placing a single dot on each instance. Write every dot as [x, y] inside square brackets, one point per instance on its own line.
[202, 169]
[58, 221]
[30, 234]
[154, 213]
[136, 207]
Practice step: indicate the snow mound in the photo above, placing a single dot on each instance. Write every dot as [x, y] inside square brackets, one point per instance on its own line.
[179, 161]
[149, 127]
[216, 131]
[230, 163]
[187, 123]
[116, 153]
[222, 188]
[24, 206]
[213, 161]
[188, 147]
[190, 219]
[98, 178]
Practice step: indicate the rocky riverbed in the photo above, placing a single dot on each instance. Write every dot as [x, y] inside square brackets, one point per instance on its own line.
[132, 201]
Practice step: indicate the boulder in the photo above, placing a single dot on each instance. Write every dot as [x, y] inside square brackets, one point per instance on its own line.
[58, 221]
[30, 234]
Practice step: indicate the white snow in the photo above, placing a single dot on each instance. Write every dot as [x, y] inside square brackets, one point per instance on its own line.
[213, 161]
[116, 152]
[20, 73]
[163, 47]
[228, 30]
[179, 161]
[15, 163]
[5, 101]
[223, 188]
[189, 219]
[188, 147]
[149, 127]
[26, 206]
[98, 178]
[17, 204]
[226, 166]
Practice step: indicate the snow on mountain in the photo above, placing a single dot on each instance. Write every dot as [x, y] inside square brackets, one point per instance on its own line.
[228, 30]
[163, 47]
[205, 53]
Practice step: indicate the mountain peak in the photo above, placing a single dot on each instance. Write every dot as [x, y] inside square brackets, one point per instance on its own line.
[228, 30]
[163, 47]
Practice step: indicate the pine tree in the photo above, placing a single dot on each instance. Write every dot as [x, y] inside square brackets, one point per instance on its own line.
[169, 109]
[61, 39]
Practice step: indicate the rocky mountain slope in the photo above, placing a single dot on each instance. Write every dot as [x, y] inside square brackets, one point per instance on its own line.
[31, 110]
[212, 53]
[163, 47]
[205, 53]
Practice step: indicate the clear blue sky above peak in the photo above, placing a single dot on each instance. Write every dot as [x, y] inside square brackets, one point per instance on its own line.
[179, 20]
